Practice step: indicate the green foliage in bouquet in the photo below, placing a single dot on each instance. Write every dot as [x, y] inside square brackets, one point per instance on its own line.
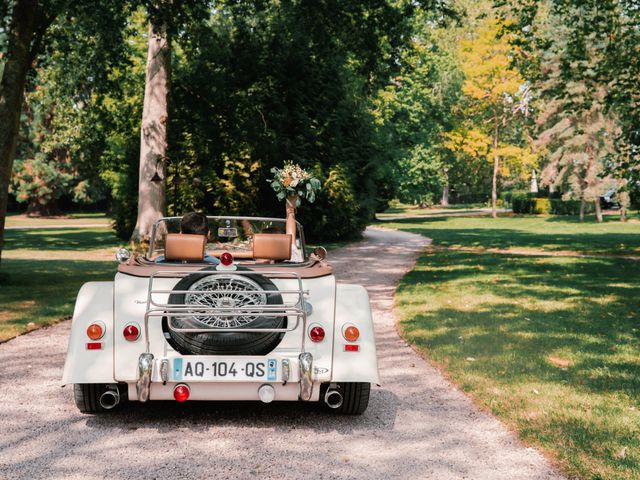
[292, 180]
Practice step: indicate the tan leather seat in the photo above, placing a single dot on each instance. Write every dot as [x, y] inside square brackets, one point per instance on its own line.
[272, 246]
[183, 247]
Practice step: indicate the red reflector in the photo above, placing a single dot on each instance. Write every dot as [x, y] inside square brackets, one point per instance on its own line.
[316, 334]
[351, 348]
[226, 259]
[181, 393]
[94, 346]
[131, 332]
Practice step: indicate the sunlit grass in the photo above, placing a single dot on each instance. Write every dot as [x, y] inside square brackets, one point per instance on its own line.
[529, 233]
[42, 271]
[551, 345]
[74, 219]
[404, 209]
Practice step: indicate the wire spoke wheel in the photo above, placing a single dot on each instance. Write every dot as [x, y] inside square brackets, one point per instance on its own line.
[225, 292]
[240, 300]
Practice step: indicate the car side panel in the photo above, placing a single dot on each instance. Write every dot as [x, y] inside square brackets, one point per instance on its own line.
[352, 307]
[94, 303]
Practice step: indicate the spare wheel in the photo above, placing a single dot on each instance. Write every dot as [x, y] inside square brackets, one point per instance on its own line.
[225, 290]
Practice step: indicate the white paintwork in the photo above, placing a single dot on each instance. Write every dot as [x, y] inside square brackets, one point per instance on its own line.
[352, 307]
[94, 303]
[333, 308]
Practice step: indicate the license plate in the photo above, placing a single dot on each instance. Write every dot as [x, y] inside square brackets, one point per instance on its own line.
[228, 232]
[226, 369]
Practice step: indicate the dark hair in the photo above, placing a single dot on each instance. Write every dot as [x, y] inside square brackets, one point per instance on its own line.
[194, 223]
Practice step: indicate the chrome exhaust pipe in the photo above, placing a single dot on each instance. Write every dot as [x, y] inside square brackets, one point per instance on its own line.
[110, 399]
[333, 398]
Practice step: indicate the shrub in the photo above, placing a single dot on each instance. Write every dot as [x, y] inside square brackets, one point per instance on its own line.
[569, 207]
[522, 202]
[542, 206]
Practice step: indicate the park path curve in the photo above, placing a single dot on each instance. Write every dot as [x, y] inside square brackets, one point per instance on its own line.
[417, 425]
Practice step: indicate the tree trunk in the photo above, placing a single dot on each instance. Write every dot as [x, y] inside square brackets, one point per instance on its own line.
[445, 196]
[38, 208]
[12, 85]
[623, 199]
[153, 135]
[596, 203]
[583, 203]
[496, 166]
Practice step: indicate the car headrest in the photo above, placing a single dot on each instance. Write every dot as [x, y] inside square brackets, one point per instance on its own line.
[184, 247]
[272, 246]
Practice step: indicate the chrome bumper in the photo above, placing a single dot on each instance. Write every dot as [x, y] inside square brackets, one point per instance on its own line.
[306, 380]
[145, 371]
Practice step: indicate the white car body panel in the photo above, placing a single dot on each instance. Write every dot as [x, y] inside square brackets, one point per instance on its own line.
[94, 303]
[352, 308]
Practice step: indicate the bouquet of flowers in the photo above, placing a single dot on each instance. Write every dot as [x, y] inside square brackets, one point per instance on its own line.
[292, 181]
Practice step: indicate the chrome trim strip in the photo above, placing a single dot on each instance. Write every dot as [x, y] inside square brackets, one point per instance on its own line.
[145, 369]
[286, 370]
[306, 380]
[164, 370]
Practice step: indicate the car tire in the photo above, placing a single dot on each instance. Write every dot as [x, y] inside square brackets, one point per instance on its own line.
[87, 397]
[226, 343]
[355, 398]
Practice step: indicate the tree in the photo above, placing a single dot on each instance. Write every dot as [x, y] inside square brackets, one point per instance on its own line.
[153, 133]
[415, 109]
[24, 37]
[492, 87]
[27, 35]
[581, 58]
[578, 127]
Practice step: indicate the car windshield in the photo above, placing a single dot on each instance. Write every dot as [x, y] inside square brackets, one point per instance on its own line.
[232, 234]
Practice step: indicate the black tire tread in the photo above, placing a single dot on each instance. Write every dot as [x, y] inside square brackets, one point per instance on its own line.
[87, 397]
[355, 398]
[237, 343]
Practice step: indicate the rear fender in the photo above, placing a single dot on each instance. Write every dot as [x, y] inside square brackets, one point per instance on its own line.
[94, 303]
[352, 308]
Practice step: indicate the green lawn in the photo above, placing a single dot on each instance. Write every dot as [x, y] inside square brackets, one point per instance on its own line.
[42, 271]
[551, 345]
[21, 220]
[398, 209]
[529, 233]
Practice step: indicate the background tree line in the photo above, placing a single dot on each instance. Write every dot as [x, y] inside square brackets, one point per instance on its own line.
[421, 101]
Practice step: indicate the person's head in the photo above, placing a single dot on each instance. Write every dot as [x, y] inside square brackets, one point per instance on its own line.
[195, 224]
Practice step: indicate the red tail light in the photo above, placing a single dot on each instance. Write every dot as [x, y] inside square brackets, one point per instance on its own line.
[181, 392]
[316, 334]
[131, 332]
[226, 259]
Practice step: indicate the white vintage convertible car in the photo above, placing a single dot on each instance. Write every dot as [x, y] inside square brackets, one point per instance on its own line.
[266, 322]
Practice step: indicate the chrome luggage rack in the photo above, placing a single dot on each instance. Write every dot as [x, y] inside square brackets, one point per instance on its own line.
[155, 308]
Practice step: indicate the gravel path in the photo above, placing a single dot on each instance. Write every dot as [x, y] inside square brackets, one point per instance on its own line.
[417, 426]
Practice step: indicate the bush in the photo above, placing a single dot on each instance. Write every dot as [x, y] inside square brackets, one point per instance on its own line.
[458, 198]
[522, 203]
[542, 206]
[569, 207]
[526, 203]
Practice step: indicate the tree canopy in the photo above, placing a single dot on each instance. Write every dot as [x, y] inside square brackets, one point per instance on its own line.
[420, 101]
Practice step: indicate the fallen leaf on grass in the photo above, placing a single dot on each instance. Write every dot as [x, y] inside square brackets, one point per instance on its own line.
[559, 362]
